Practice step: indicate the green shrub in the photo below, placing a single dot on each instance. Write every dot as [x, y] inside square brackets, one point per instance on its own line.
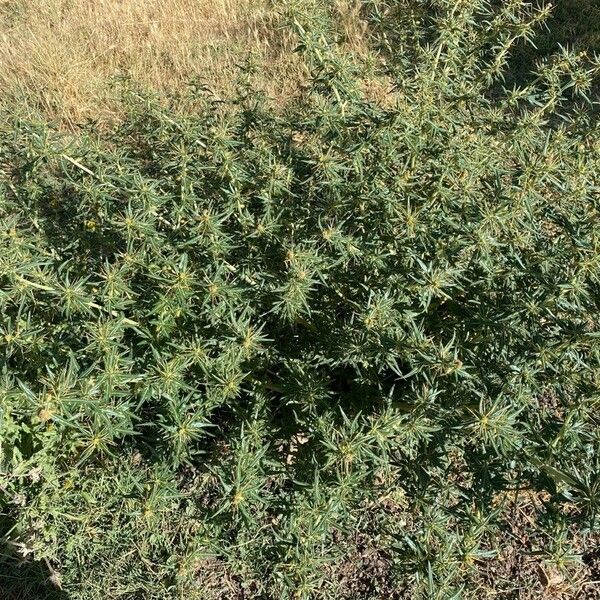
[572, 24]
[243, 349]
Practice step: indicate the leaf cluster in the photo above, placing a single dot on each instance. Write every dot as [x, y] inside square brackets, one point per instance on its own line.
[243, 337]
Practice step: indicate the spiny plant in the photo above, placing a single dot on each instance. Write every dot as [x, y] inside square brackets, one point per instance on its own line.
[244, 347]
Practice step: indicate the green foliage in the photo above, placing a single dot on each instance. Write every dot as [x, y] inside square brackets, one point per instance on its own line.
[572, 24]
[234, 341]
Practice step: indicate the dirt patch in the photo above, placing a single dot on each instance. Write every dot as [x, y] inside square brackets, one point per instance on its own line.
[365, 572]
[522, 569]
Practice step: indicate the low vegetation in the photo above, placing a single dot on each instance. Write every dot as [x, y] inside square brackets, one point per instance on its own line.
[345, 348]
[64, 59]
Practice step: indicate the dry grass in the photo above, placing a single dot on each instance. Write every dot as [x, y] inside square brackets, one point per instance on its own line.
[58, 57]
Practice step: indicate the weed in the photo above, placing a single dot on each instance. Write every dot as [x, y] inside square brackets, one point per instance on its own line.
[266, 343]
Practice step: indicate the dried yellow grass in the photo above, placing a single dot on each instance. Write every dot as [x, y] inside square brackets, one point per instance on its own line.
[58, 57]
